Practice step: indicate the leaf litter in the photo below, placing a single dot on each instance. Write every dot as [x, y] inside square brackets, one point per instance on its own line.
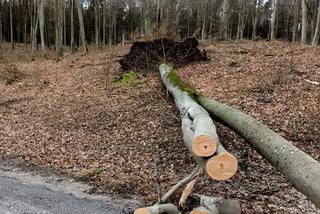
[84, 123]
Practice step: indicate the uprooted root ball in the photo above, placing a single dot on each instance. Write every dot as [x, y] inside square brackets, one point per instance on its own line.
[146, 56]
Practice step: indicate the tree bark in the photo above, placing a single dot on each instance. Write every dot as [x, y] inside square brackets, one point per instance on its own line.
[255, 19]
[158, 209]
[198, 129]
[34, 30]
[304, 22]
[273, 19]
[296, 19]
[59, 27]
[0, 23]
[110, 40]
[82, 32]
[147, 18]
[11, 24]
[203, 33]
[104, 22]
[96, 21]
[71, 27]
[225, 19]
[41, 24]
[316, 33]
[64, 24]
[302, 171]
[205, 139]
[217, 205]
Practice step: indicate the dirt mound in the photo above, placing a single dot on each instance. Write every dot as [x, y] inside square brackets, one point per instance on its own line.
[146, 56]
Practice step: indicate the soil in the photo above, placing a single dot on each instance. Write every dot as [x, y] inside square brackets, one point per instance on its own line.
[146, 56]
[70, 115]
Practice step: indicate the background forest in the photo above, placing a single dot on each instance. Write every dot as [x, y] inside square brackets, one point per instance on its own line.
[75, 22]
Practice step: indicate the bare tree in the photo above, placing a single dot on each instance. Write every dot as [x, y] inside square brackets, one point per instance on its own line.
[41, 24]
[242, 19]
[296, 19]
[225, 19]
[11, 25]
[204, 19]
[96, 21]
[0, 23]
[316, 33]
[58, 26]
[255, 18]
[273, 19]
[71, 26]
[82, 32]
[304, 22]
[104, 22]
[34, 29]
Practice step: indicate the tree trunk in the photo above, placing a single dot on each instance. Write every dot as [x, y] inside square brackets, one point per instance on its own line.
[96, 21]
[41, 24]
[304, 23]
[240, 20]
[104, 22]
[273, 19]
[199, 132]
[64, 24]
[147, 18]
[114, 21]
[203, 33]
[217, 205]
[316, 33]
[0, 22]
[296, 20]
[59, 27]
[34, 30]
[82, 32]
[110, 41]
[158, 13]
[158, 209]
[302, 171]
[11, 24]
[225, 19]
[71, 27]
[255, 19]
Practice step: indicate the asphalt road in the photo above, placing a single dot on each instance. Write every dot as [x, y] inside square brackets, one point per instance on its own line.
[22, 193]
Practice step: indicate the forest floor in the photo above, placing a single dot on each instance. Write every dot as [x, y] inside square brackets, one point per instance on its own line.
[70, 115]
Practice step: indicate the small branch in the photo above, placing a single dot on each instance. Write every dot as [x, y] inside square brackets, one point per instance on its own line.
[181, 183]
[157, 174]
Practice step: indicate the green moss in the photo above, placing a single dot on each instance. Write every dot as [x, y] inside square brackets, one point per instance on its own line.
[129, 78]
[88, 174]
[175, 79]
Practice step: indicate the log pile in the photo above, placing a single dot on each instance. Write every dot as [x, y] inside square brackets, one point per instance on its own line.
[199, 132]
[201, 139]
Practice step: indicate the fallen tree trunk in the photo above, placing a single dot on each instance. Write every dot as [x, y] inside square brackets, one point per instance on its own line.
[205, 139]
[197, 122]
[226, 165]
[302, 171]
[158, 209]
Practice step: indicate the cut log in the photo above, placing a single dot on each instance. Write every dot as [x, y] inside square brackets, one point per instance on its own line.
[205, 139]
[158, 209]
[197, 123]
[224, 172]
[217, 205]
[203, 210]
[302, 171]
[222, 166]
